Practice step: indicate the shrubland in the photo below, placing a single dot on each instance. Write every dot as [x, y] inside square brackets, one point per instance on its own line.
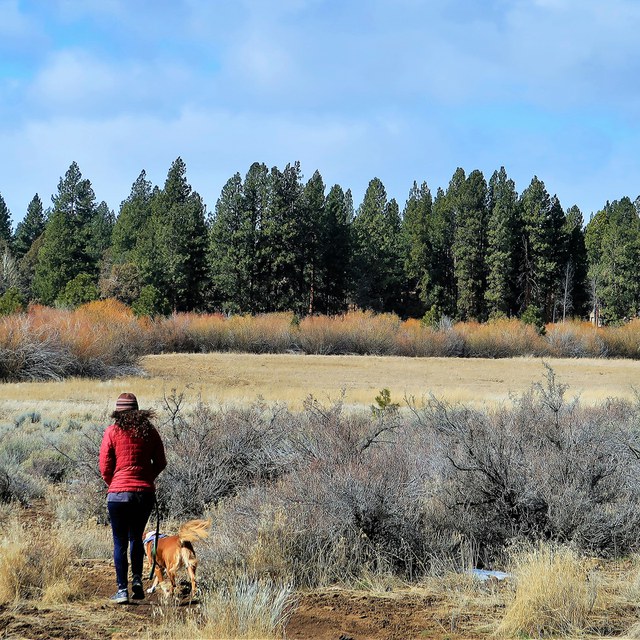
[327, 494]
[390, 494]
[105, 338]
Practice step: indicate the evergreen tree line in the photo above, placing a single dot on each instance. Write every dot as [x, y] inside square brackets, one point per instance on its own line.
[276, 242]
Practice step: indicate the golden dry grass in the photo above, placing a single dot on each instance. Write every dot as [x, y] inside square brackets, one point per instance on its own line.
[243, 609]
[554, 593]
[223, 378]
[37, 565]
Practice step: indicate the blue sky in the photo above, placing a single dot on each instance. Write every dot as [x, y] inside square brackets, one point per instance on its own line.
[402, 90]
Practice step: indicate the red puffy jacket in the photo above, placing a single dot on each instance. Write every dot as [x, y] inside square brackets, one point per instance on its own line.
[129, 462]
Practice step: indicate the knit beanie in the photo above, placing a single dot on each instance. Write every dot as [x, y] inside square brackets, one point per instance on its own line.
[126, 402]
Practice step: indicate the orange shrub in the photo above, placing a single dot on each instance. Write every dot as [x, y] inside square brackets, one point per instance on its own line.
[324, 335]
[369, 333]
[501, 338]
[624, 341]
[576, 339]
[208, 331]
[104, 338]
[264, 333]
[416, 339]
[171, 334]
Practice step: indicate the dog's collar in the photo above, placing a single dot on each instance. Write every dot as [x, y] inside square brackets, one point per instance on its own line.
[152, 536]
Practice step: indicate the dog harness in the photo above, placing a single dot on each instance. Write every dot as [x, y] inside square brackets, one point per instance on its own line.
[152, 535]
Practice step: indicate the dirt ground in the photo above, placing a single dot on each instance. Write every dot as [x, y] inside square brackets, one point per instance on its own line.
[438, 610]
[331, 614]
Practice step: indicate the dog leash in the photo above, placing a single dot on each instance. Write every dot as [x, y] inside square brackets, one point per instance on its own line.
[154, 549]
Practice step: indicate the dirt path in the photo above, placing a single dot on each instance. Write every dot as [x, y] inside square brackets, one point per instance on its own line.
[345, 615]
[331, 614]
[328, 614]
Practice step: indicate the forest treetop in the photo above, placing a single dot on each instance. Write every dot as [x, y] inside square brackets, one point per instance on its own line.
[278, 242]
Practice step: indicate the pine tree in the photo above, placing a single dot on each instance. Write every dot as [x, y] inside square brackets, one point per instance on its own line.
[257, 198]
[613, 244]
[179, 235]
[30, 228]
[313, 231]
[468, 198]
[418, 263]
[55, 265]
[503, 247]
[282, 249]
[544, 249]
[5, 222]
[575, 294]
[336, 251]
[231, 248]
[439, 286]
[132, 221]
[100, 230]
[67, 248]
[378, 251]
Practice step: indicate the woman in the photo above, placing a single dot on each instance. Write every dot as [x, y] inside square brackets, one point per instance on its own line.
[131, 457]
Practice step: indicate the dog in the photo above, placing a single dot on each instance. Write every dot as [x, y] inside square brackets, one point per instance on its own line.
[174, 552]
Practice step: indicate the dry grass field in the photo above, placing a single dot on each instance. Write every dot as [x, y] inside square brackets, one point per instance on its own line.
[230, 378]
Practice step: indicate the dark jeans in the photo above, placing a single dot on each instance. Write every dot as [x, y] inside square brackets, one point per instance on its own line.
[128, 520]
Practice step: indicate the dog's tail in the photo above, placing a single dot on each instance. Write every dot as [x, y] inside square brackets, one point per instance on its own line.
[194, 530]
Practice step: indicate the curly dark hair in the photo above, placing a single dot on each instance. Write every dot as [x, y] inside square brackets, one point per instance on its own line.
[136, 421]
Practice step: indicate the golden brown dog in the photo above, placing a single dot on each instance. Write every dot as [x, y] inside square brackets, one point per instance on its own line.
[174, 552]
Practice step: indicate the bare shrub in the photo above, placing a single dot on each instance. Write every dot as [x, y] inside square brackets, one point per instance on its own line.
[213, 454]
[554, 593]
[351, 505]
[544, 469]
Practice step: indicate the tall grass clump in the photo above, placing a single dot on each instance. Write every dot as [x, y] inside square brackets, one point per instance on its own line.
[35, 564]
[554, 593]
[240, 608]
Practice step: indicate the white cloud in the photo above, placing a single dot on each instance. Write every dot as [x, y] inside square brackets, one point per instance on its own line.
[400, 90]
[75, 81]
[214, 144]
